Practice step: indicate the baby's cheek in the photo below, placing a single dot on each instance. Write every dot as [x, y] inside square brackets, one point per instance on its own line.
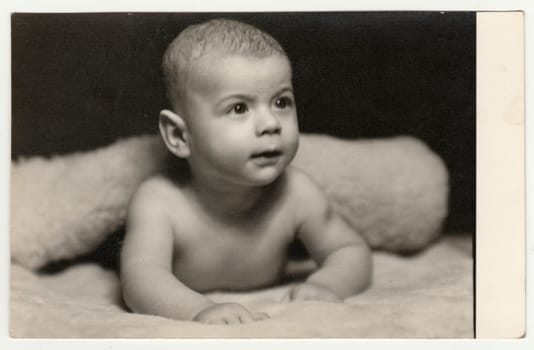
[292, 146]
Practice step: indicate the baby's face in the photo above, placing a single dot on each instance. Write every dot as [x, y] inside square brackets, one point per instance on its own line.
[241, 118]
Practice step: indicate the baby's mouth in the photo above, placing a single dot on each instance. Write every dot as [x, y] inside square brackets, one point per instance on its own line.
[267, 154]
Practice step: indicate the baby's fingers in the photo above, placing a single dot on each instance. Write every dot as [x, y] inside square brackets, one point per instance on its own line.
[252, 317]
[240, 318]
[224, 320]
[245, 317]
[229, 313]
[259, 316]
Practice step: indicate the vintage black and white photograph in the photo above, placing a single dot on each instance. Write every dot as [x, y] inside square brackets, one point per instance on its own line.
[243, 175]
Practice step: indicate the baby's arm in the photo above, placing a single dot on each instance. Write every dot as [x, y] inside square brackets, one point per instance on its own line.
[149, 286]
[343, 256]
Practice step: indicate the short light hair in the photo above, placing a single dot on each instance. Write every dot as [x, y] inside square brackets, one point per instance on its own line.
[218, 35]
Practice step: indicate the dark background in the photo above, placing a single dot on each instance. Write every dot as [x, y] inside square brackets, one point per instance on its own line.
[82, 80]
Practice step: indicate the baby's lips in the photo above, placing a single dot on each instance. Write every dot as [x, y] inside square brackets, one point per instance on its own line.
[268, 152]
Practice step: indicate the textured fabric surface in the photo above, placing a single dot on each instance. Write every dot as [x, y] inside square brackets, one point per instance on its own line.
[394, 191]
[427, 295]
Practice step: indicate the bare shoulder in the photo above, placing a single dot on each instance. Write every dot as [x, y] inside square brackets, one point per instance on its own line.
[149, 236]
[308, 196]
[153, 197]
[320, 228]
[155, 186]
[303, 186]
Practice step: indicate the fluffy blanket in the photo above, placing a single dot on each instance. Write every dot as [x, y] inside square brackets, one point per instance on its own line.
[394, 191]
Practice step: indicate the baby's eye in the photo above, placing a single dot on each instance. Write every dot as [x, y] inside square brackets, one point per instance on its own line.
[283, 102]
[239, 108]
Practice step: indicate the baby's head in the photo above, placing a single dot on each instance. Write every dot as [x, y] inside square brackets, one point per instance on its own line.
[233, 112]
[216, 38]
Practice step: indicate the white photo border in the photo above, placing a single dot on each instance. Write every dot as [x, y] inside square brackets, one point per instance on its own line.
[162, 6]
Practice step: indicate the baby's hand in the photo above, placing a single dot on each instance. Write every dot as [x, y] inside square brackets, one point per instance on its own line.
[228, 313]
[308, 291]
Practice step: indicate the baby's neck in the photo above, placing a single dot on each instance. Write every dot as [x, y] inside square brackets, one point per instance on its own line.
[229, 200]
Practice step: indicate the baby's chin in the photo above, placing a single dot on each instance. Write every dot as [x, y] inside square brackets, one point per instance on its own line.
[265, 177]
[264, 181]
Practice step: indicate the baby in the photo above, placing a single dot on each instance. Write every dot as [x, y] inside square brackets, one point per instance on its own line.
[226, 221]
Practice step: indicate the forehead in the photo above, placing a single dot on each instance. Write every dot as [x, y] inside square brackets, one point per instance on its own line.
[219, 74]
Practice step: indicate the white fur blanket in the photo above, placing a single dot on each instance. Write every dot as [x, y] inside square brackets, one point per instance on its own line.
[394, 191]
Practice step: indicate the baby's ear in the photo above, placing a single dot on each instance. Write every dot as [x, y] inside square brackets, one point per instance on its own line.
[174, 132]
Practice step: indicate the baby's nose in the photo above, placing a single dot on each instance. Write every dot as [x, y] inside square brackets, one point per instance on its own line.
[268, 123]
